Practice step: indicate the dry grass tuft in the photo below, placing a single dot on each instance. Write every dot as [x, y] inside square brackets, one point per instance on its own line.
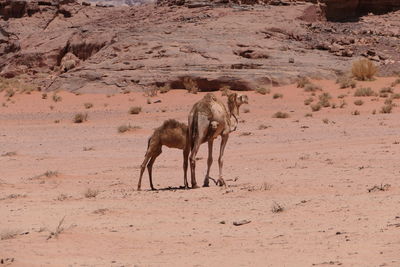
[358, 102]
[324, 100]
[345, 81]
[387, 109]
[135, 110]
[9, 92]
[396, 82]
[263, 90]
[9, 154]
[125, 128]
[276, 207]
[91, 193]
[80, 117]
[302, 82]
[355, 113]
[365, 92]
[281, 115]
[88, 105]
[326, 121]
[263, 127]
[59, 229]
[164, 89]
[56, 98]
[363, 69]
[8, 234]
[277, 95]
[310, 87]
[308, 101]
[308, 115]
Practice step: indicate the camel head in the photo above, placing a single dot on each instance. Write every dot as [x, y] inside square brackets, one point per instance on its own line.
[234, 102]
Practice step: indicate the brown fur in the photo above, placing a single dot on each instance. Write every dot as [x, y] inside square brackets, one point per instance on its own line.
[208, 119]
[172, 134]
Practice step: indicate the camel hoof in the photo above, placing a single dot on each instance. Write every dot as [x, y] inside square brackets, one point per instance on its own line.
[138, 189]
[206, 185]
[221, 182]
[195, 186]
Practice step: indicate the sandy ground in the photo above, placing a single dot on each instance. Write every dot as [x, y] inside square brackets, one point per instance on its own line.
[319, 172]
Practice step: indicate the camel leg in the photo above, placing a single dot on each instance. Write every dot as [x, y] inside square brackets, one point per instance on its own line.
[150, 168]
[192, 159]
[209, 163]
[142, 168]
[224, 140]
[185, 166]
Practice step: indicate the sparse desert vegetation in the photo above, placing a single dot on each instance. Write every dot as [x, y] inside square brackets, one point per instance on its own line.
[277, 95]
[364, 69]
[80, 117]
[135, 110]
[126, 128]
[88, 105]
[281, 115]
[364, 91]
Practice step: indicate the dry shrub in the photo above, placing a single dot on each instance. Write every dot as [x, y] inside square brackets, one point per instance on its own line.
[16, 85]
[125, 128]
[91, 193]
[396, 96]
[302, 82]
[315, 107]
[324, 100]
[345, 81]
[389, 101]
[246, 110]
[343, 104]
[190, 85]
[388, 90]
[281, 115]
[263, 127]
[342, 96]
[276, 207]
[387, 109]
[9, 92]
[277, 95]
[44, 96]
[308, 101]
[396, 82]
[358, 102]
[355, 112]
[80, 117]
[364, 92]
[363, 69]
[310, 87]
[164, 89]
[88, 105]
[9, 154]
[326, 121]
[8, 234]
[135, 110]
[56, 98]
[59, 229]
[263, 90]
[308, 115]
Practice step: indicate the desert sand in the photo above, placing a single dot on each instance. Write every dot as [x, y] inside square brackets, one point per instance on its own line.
[319, 169]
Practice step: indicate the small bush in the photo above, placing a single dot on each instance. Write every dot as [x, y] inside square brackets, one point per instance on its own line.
[8, 234]
[324, 100]
[387, 109]
[302, 82]
[246, 110]
[388, 90]
[88, 105]
[263, 127]
[396, 82]
[355, 112]
[276, 207]
[396, 96]
[389, 101]
[343, 104]
[80, 117]
[312, 87]
[281, 115]
[125, 128]
[326, 121]
[164, 89]
[9, 92]
[91, 193]
[308, 101]
[341, 96]
[364, 92]
[345, 82]
[315, 107]
[56, 98]
[358, 102]
[276, 96]
[135, 110]
[263, 90]
[363, 69]
[44, 96]
[308, 115]
[383, 95]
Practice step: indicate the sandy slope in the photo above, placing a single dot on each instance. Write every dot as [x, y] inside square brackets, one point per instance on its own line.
[319, 172]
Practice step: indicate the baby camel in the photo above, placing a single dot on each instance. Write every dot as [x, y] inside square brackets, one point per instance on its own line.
[208, 119]
[172, 134]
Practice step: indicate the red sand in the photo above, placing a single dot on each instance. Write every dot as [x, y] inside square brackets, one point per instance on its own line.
[319, 172]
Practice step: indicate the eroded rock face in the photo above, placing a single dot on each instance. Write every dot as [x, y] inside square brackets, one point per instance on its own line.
[339, 10]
